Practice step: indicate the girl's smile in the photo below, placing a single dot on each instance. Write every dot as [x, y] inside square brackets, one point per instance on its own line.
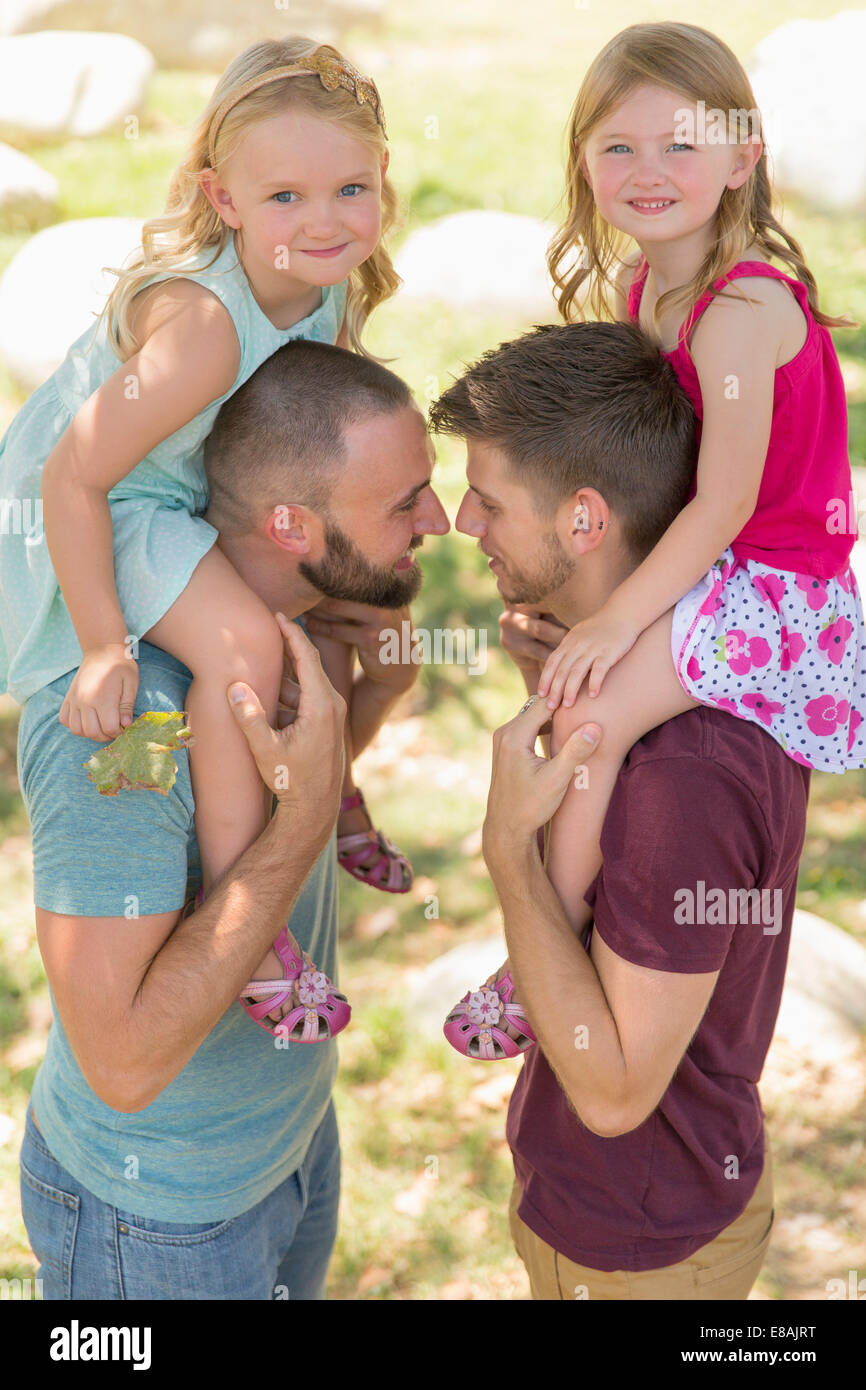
[331, 251]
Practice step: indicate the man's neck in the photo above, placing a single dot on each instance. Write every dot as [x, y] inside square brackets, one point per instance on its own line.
[283, 590]
[589, 588]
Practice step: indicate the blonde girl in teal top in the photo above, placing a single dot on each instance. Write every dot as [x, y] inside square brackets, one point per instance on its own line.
[113, 441]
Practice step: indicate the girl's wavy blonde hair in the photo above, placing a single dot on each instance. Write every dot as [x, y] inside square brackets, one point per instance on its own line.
[692, 61]
[190, 224]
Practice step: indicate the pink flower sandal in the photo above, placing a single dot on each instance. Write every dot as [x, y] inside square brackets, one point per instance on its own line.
[472, 1027]
[371, 857]
[320, 1012]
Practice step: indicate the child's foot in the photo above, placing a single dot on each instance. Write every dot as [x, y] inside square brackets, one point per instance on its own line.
[271, 968]
[488, 1023]
[299, 1000]
[367, 854]
[304, 1006]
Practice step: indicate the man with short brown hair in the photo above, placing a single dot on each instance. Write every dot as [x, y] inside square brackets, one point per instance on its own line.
[636, 1127]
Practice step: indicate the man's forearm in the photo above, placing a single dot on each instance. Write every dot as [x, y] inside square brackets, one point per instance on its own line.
[559, 987]
[198, 972]
[371, 704]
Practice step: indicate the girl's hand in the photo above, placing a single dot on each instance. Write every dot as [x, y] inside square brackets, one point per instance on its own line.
[529, 634]
[99, 702]
[594, 645]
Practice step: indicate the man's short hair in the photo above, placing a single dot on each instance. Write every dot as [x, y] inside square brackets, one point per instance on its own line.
[280, 437]
[583, 405]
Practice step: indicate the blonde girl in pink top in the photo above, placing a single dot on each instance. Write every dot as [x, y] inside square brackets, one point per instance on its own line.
[748, 602]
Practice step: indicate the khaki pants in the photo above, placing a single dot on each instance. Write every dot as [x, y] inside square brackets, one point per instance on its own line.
[725, 1268]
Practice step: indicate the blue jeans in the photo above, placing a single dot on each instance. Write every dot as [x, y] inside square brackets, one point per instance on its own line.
[87, 1249]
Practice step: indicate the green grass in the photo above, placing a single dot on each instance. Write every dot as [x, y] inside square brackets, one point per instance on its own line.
[427, 1171]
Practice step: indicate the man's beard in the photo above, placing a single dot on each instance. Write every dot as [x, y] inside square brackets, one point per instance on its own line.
[345, 573]
[554, 568]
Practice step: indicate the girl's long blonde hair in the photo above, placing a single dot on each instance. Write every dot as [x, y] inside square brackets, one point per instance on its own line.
[696, 63]
[190, 223]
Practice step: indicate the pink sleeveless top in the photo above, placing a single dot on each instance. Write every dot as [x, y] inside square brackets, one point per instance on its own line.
[801, 520]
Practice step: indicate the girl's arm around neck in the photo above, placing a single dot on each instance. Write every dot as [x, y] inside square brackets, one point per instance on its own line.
[734, 347]
[189, 357]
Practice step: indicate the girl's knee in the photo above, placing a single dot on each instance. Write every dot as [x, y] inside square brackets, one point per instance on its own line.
[251, 651]
[261, 649]
[615, 721]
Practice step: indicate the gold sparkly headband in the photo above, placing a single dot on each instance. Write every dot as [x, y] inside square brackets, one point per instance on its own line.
[331, 72]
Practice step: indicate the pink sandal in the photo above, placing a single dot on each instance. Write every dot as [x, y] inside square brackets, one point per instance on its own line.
[321, 1014]
[471, 1027]
[389, 870]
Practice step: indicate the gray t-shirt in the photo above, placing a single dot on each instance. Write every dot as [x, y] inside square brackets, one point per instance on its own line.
[238, 1119]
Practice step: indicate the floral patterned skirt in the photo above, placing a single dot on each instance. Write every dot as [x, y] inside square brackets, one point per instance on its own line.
[785, 650]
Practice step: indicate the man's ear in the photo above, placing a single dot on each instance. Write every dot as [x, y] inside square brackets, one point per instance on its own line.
[589, 519]
[293, 528]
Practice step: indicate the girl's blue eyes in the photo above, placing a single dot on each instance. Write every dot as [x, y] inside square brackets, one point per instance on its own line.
[679, 145]
[282, 194]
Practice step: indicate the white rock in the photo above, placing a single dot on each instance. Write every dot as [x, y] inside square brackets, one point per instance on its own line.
[16, 15]
[203, 34]
[51, 290]
[481, 260]
[824, 1002]
[807, 78]
[28, 194]
[56, 84]
[443, 983]
[823, 1011]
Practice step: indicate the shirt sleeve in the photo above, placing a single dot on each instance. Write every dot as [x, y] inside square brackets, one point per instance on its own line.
[677, 831]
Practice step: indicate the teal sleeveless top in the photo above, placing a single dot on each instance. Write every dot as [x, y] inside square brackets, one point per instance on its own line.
[159, 533]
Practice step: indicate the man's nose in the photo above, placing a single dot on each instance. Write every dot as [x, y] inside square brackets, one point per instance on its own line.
[430, 519]
[469, 520]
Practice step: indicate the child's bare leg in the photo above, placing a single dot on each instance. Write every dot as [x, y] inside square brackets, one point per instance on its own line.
[640, 692]
[223, 632]
[338, 663]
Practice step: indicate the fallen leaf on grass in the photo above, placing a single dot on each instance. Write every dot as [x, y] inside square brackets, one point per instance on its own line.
[494, 1094]
[373, 1278]
[412, 1200]
[371, 925]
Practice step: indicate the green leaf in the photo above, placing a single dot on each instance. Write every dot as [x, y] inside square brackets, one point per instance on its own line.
[140, 759]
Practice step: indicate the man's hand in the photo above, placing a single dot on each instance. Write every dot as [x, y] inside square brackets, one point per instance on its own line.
[526, 790]
[361, 625]
[528, 633]
[302, 763]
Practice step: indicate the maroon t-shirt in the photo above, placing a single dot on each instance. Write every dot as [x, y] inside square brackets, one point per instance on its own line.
[704, 802]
